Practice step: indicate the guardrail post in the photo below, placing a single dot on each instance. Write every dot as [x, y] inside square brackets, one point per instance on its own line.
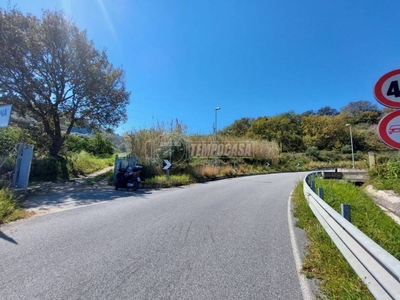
[321, 193]
[312, 186]
[346, 211]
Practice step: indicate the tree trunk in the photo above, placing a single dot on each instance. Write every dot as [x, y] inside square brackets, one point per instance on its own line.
[56, 145]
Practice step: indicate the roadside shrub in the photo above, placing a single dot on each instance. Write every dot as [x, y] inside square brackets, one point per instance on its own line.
[97, 145]
[312, 151]
[207, 171]
[9, 208]
[346, 149]
[390, 170]
[61, 168]
[49, 169]
[227, 171]
[151, 168]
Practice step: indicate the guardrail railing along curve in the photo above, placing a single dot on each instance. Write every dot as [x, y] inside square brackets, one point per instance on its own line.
[378, 269]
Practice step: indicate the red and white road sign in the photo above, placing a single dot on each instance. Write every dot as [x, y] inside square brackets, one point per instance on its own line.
[387, 89]
[389, 129]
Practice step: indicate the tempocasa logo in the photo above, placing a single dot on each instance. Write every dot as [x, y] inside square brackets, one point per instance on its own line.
[229, 149]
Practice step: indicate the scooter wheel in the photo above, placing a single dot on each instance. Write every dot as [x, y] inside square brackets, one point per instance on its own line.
[135, 186]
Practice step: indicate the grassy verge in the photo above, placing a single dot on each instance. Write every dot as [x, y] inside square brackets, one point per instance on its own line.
[386, 184]
[365, 214]
[174, 180]
[9, 208]
[323, 261]
[85, 163]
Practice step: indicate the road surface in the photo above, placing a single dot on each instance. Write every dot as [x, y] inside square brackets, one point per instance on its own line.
[228, 239]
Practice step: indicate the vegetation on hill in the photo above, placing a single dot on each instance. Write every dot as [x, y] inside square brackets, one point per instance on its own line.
[325, 129]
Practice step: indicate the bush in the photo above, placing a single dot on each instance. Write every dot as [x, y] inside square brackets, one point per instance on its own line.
[98, 145]
[346, 149]
[151, 168]
[312, 151]
[9, 209]
[390, 170]
[61, 168]
[49, 169]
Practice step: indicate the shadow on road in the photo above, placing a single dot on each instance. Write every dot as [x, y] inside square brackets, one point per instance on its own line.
[7, 238]
[70, 197]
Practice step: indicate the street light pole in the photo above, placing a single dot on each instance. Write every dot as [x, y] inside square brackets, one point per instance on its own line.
[216, 135]
[352, 148]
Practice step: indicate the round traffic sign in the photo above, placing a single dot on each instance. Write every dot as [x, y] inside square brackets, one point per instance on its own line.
[387, 89]
[389, 129]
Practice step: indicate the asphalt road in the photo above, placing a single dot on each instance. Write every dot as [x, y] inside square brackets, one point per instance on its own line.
[227, 239]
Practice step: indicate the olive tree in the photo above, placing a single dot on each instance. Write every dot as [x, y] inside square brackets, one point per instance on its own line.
[51, 72]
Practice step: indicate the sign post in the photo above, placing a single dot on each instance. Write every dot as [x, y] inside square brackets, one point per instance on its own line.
[387, 92]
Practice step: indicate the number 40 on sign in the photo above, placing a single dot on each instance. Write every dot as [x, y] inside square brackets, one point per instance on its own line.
[387, 89]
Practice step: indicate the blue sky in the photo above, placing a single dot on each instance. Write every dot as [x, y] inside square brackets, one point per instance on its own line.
[252, 58]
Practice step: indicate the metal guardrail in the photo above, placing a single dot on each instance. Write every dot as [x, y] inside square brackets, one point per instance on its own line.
[379, 270]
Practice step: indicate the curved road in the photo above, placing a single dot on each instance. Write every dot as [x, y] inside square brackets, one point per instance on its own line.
[227, 239]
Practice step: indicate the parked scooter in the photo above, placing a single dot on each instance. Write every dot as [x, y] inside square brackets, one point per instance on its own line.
[128, 178]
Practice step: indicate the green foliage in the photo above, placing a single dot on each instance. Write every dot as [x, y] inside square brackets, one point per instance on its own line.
[99, 146]
[9, 208]
[76, 143]
[327, 111]
[386, 173]
[86, 163]
[312, 151]
[151, 168]
[52, 73]
[182, 179]
[356, 109]
[366, 215]
[10, 137]
[239, 128]
[61, 168]
[284, 129]
[387, 168]
[49, 169]
[324, 132]
[346, 149]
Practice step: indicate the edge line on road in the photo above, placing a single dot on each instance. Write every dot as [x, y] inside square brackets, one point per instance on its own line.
[305, 287]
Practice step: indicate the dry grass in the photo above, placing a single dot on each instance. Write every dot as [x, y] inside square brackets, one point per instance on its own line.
[207, 171]
[226, 171]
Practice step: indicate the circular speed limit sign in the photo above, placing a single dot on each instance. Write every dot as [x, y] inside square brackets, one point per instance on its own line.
[389, 129]
[387, 89]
